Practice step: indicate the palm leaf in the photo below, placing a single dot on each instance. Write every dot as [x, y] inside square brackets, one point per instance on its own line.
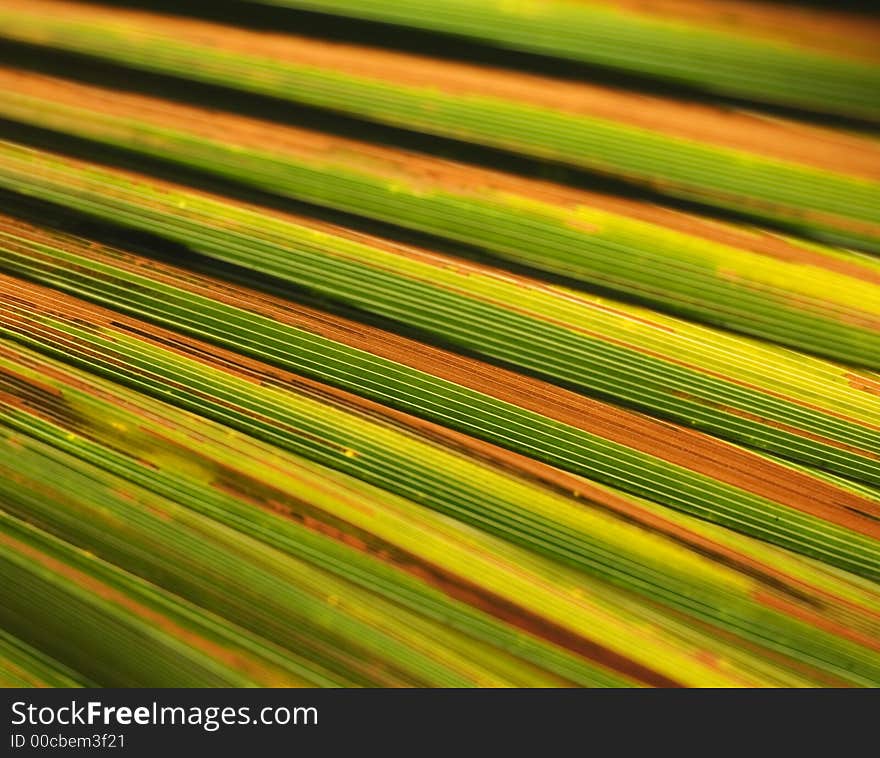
[336, 407]
[533, 117]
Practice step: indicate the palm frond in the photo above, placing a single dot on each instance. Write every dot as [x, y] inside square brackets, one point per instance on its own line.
[506, 379]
